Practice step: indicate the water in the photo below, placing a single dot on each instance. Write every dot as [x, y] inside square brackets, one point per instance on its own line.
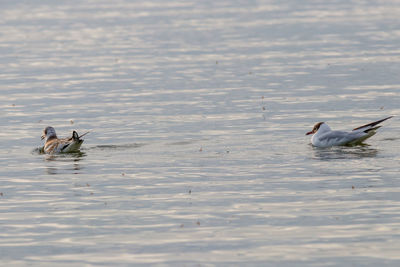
[197, 112]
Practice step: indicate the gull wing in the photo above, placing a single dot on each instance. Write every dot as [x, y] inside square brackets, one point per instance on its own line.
[338, 138]
[370, 126]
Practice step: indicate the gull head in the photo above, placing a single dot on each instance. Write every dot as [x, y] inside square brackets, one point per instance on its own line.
[49, 133]
[316, 128]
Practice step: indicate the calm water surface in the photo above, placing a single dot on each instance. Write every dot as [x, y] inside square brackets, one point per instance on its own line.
[197, 112]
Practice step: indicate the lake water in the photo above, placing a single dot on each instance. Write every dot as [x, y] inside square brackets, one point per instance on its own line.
[197, 154]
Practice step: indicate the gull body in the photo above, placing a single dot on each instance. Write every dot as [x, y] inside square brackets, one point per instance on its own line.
[54, 145]
[323, 136]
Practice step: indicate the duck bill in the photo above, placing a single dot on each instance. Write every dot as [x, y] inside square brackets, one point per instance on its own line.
[43, 137]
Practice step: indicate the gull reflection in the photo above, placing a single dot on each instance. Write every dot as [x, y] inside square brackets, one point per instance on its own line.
[58, 163]
[344, 152]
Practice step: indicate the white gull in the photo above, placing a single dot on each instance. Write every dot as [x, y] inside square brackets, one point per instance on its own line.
[323, 136]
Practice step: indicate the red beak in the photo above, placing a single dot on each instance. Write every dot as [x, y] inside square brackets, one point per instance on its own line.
[309, 133]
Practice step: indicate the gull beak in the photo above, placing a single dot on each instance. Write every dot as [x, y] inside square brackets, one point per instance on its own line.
[310, 133]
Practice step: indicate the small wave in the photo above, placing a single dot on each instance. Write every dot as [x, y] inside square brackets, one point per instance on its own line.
[38, 150]
[115, 147]
[181, 143]
[390, 139]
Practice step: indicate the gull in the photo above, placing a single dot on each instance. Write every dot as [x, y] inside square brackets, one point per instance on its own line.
[323, 136]
[64, 145]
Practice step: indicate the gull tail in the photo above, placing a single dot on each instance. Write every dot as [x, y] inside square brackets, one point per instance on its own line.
[84, 134]
[370, 126]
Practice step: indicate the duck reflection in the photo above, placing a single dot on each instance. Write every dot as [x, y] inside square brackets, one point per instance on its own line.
[344, 152]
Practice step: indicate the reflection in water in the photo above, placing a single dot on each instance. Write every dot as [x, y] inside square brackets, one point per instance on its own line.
[344, 152]
[51, 170]
[74, 158]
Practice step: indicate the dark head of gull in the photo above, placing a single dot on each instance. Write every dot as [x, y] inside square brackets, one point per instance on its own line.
[316, 128]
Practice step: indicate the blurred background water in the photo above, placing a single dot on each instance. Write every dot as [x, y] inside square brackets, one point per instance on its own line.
[197, 112]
